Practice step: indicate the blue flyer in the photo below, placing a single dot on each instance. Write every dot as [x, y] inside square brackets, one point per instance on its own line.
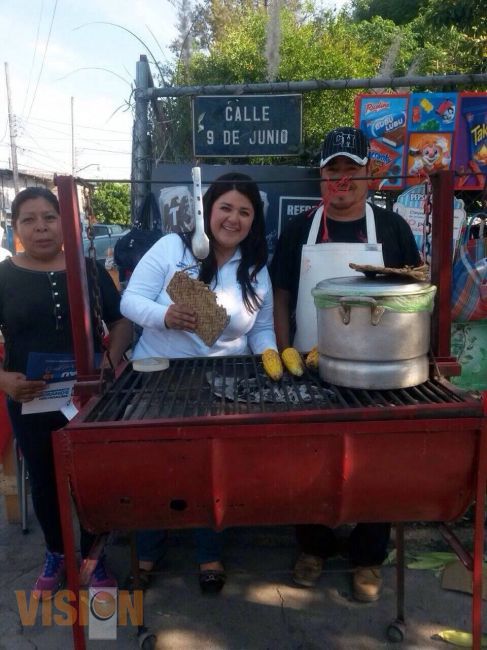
[50, 366]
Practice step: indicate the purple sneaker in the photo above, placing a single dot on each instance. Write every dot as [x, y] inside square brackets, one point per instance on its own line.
[101, 576]
[51, 578]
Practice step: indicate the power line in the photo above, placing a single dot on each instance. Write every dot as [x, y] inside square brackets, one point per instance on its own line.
[43, 60]
[33, 57]
[42, 152]
[29, 135]
[47, 128]
[39, 154]
[39, 160]
[78, 126]
[125, 153]
[13, 147]
[5, 131]
[64, 135]
[96, 140]
[80, 150]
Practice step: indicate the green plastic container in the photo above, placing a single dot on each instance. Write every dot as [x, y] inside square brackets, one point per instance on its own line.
[469, 345]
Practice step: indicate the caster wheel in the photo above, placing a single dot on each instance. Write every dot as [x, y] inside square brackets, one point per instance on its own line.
[147, 640]
[396, 632]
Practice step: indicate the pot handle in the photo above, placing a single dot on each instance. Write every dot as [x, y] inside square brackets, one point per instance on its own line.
[376, 310]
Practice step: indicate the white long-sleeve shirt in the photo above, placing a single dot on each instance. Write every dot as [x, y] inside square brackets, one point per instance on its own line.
[146, 301]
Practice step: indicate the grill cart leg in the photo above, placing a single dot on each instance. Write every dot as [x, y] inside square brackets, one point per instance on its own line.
[64, 500]
[134, 561]
[21, 486]
[89, 564]
[478, 548]
[397, 629]
[145, 638]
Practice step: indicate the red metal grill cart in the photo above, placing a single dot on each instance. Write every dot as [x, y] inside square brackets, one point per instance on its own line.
[209, 442]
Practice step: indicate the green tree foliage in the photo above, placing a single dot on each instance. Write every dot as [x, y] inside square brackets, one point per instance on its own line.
[457, 30]
[399, 11]
[111, 203]
[371, 38]
[468, 16]
[450, 34]
[319, 47]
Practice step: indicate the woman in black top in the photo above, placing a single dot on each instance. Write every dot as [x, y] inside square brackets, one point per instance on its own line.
[34, 317]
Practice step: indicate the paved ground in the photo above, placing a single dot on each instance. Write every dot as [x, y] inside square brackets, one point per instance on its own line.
[259, 609]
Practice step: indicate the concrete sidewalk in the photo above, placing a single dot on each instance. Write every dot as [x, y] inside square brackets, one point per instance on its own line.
[259, 608]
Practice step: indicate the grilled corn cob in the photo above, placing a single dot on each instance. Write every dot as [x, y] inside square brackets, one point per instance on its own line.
[272, 364]
[292, 361]
[312, 359]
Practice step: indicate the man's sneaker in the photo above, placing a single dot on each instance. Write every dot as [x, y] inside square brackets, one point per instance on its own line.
[307, 570]
[367, 583]
[51, 578]
[101, 577]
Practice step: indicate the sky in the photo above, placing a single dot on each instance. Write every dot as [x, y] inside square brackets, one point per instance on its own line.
[53, 48]
[62, 49]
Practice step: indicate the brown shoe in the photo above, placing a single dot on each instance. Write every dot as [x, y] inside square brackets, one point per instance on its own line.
[307, 570]
[367, 583]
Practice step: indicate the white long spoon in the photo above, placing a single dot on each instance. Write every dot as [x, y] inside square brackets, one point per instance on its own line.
[199, 241]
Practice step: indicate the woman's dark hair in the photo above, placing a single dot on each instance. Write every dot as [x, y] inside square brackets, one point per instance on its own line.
[32, 193]
[253, 247]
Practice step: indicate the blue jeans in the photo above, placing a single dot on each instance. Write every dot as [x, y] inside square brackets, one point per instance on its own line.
[151, 545]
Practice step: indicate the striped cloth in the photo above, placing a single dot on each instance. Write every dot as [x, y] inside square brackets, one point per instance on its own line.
[469, 280]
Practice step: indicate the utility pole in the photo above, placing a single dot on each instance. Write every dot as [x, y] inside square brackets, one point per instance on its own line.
[13, 147]
[72, 137]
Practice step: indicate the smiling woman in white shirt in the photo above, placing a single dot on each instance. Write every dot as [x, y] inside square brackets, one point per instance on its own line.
[236, 272]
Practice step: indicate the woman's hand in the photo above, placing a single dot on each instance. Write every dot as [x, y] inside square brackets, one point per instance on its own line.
[180, 317]
[19, 388]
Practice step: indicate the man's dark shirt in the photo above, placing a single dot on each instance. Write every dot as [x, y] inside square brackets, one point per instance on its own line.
[398, 245]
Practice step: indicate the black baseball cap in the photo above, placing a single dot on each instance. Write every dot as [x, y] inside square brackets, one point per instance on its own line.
[345, 141]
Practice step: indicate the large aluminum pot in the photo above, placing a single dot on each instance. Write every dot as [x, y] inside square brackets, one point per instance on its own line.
[373, 333]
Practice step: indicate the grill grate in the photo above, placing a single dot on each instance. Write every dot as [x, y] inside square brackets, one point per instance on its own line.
[215, 386]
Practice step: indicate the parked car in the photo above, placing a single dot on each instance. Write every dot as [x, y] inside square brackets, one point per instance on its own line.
[106, 235]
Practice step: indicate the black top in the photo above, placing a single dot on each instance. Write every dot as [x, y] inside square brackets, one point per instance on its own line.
[34, 311]
[398, 245]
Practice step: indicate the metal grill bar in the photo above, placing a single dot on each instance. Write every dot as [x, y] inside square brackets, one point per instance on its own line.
[217, 386]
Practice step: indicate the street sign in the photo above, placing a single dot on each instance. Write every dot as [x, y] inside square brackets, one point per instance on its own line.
[247, 125]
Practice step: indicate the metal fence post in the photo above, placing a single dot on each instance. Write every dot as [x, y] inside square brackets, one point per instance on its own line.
[140, 137]
[441, 262]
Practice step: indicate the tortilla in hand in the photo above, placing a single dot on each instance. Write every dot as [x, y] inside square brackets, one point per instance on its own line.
[418, 273]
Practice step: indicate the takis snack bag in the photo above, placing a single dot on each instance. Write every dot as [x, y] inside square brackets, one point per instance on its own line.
[477, 136]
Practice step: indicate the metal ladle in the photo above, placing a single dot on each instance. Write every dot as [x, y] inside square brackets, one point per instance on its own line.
[200, 243]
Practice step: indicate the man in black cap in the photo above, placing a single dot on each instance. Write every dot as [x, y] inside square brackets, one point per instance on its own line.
[315, 246]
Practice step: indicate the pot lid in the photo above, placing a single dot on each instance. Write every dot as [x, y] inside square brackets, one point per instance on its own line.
[355, 285]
